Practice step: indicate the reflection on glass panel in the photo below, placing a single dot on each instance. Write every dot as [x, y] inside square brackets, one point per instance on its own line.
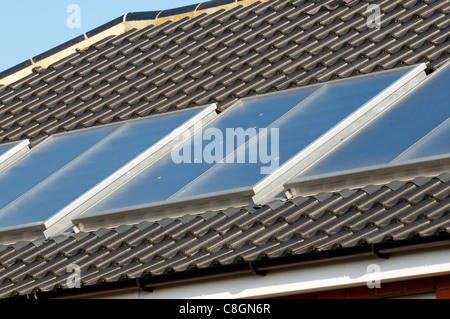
[187, 162]
[395, 130]
[434, 143]
[298, 128]
[41, 162]
[84, 171]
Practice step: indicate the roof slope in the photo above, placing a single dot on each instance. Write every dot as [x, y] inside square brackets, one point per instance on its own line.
[220, 57]
[328, 222]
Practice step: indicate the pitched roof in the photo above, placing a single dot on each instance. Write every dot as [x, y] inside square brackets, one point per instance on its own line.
[215, 57]
[401, 213]
[224, 53]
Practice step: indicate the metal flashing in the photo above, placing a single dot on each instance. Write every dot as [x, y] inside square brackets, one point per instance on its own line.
[161, 210]
[25, 232]
[374, 175]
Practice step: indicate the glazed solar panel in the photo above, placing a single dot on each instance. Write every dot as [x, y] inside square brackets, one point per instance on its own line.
[64, 167]
[299, 116]
[436, 142]
[40, 163]
[416, 126]
[295, 130]
[167, 176]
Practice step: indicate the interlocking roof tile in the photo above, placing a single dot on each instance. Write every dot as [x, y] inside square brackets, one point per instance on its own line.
[221, 56]
[223, 238]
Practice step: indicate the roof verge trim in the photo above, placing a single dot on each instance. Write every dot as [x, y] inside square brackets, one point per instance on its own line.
[114, 27]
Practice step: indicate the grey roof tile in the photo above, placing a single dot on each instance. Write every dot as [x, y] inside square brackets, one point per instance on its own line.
[13, 272]
[367, 218]
[141, 252]
[390, 198]
[301, 246]
[441, 225]
[221, 57]
[234, 255]
[383, 233]
[333, 242]
[221, 239]
[173, 51]
[343, 222]
[131, 270]
[404, 232]
[224, 240]
[295, 228]
[389, 215]
[269, 233]
[439, 210]
[415, 211]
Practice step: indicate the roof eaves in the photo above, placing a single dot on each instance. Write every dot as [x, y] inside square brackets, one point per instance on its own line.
[257, 267]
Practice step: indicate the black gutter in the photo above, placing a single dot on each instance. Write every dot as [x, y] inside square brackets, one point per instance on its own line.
[257, 267]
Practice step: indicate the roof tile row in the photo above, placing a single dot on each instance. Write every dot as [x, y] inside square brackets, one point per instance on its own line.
[220, 57]
[393, 212]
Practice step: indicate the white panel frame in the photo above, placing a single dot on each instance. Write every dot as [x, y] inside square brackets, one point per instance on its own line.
[62, 220]
[14, 153]
[272, 185]
[373, 175]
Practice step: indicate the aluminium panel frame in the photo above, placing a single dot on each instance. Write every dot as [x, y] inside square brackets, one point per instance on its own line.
[272, 185]
[62, 220]
[14, 153]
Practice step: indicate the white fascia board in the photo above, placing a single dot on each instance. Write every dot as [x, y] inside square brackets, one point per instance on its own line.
[62, 219]
[273, 183]
[14, 153]
[313, 277]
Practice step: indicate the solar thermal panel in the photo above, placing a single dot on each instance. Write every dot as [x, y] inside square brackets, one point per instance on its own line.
[66, 166]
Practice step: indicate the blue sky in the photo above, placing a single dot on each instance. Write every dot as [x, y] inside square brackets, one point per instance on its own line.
[30, 27]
